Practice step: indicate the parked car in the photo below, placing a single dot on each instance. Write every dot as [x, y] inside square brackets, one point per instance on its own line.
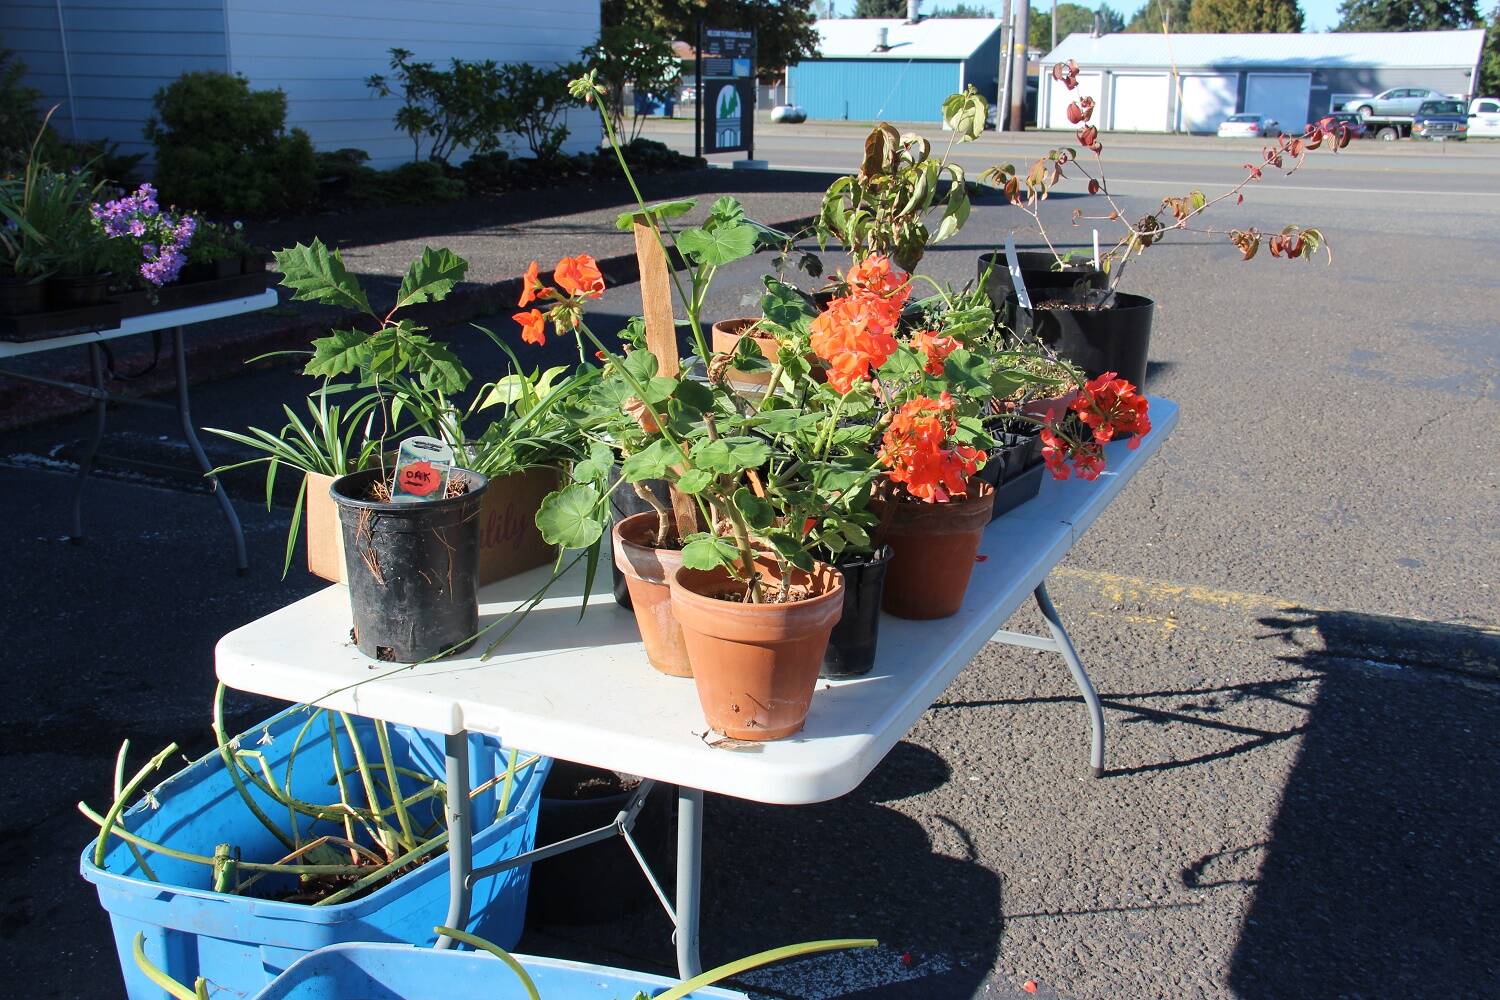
[1352, 121]
[1484, 118]
[1242, 125]
[1440, 120]
[1401, 101]
[790, 114]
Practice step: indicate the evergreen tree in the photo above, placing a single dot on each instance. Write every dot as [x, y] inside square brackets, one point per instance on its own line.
[784, 30]
[1489, 66]
[880, 8]
[962, 10]
[1071, 18]
[1406, 15]
[1149, 17]
[1245, 16]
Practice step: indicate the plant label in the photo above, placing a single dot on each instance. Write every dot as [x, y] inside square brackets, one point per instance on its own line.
[422, 468]
[1014, 263]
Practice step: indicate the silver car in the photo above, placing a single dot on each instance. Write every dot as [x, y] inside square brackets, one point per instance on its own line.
[1397, 102]
[1246, 124]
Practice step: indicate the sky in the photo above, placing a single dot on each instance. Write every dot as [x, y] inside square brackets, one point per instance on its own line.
[1318, 15]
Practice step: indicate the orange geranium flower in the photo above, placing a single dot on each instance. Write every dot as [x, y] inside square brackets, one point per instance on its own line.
[531, 285]
[854, 337]
[533, 326]
[935, 348]
[579, 276]
[875, 274]
[917, 450]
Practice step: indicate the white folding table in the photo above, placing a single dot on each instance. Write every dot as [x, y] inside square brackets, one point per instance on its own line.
[580, 688]
[173, 320]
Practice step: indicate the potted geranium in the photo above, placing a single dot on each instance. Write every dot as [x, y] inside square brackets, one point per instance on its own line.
[1076, 305]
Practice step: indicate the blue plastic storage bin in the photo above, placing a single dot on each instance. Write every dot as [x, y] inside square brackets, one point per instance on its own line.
[240, 943]
[397, 972]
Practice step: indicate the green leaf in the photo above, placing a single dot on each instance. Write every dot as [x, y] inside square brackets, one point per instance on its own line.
[438, 366]
[720, 246]
[726, 209]
[661, 210]
[693, 481]
[758, 512]
[704, 551]
[316, 274]
[784, 305]
[596, 467]
[651, 462]
[694, 396]
[966, 114]
[956, 213]
[431, 277]
[570, 517]
[339, 353]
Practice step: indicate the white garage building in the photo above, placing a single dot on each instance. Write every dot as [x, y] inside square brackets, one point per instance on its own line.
[1191, 83]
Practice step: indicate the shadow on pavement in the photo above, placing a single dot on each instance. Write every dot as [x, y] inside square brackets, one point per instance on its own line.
[1381, 876]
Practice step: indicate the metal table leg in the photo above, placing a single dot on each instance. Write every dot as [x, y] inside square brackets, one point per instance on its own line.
[1062, 645]
[86, 464]
[184, 413]
[460, 834]
[689, 879]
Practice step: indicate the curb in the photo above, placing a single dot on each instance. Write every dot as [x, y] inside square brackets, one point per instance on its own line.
[226, 352]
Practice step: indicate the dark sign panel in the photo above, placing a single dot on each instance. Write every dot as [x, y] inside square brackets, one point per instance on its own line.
[726, 90]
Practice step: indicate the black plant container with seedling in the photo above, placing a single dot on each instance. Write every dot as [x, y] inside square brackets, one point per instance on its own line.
[1097, 331]
[851, 644]
[413, 568]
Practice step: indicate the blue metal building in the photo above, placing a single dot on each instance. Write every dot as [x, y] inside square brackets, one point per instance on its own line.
[895, 70]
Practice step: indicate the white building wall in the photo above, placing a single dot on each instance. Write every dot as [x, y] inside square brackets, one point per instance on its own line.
[320, 53]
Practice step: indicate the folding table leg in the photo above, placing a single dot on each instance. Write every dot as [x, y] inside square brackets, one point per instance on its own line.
[86, 463]
[460, 827]
[689, 879]
[179, 357]
[1080, 676]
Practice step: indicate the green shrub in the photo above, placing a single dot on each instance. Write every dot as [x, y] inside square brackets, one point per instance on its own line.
[537, 99]
[20, 115]
[224, 149]
[464, 106]
[421, 183]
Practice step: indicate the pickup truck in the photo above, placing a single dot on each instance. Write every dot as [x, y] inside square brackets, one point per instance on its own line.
[1482, 119]
[1440, 120]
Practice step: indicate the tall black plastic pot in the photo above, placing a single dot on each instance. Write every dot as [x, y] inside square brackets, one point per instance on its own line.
[1043, 280]
[622, 504]
[851, 646]
[413, 568]
[599, 883]
[1117, 339]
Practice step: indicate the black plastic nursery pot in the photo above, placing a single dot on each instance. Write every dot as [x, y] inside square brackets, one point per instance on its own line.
[1040, 272]
[412, 568]
[1015, 469]
[20, 296]
[599, 883]
[851, 645]
[82, 290]
[1116, 339]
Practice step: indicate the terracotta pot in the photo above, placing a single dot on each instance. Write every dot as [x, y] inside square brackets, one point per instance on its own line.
[325, 538]
[935, 545]
[726, 337]
[756, 665]
[1051, 409]
[646, 571]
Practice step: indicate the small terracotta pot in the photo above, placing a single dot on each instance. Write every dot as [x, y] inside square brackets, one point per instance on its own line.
[1050, 409]
[756, 665]
[646, 571]
[726, 337]
[935, 545]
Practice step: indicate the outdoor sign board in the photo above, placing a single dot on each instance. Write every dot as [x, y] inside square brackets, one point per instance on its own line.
[726, 90]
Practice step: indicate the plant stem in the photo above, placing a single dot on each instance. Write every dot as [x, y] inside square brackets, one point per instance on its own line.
[122, 798]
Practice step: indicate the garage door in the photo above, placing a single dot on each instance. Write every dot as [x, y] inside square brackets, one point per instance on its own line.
[1138, 102]
[1061, 97]
[1207, 100]
[1279, 96]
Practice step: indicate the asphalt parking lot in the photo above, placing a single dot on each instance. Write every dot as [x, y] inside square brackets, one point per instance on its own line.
[1290, 614]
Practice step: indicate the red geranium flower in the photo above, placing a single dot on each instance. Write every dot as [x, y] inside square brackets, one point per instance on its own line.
[917, 450]
[579, 276]
[854, 339]
[533, 326]
[935, 348]
[1110, 407]
[531, 285]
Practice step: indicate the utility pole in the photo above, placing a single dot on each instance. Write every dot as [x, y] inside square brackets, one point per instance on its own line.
[1054, 24]
[1007, 48]
[1018, 75]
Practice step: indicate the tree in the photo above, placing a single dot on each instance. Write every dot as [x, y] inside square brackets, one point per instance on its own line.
[880, 8]
[1244, 16]
[783, 28]
[1489, 67]
[1406, 15]
[962, 10]
[1149, 17]
[1071, 18]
